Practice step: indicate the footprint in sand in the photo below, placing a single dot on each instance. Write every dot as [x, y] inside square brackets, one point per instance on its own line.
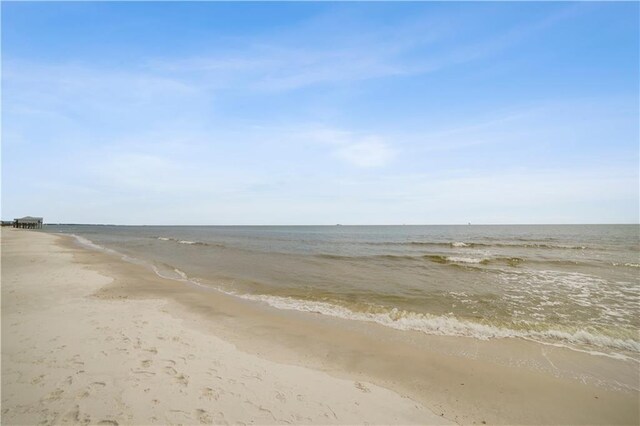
[210, 394]
[38, 379]
[362, 387]
[75, 417]
[143, 372]
[91, 388]
[179, 378]
[53, 396]
[203, 417]
[153, 350]
[75, 360]
[178, 417]
[220, 420]
[182, 379]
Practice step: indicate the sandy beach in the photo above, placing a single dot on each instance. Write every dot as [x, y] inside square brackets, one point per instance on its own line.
[88, 338]
[69, 357]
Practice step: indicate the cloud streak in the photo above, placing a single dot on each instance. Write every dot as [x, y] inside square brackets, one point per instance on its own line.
[364, 151]
[282, 64]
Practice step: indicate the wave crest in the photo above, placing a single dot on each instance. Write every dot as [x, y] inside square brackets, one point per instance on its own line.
[188, 242]
[461, 244]
[445, 325]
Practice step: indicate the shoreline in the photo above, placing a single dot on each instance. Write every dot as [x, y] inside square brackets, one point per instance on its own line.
[70, 356]
[461, 379]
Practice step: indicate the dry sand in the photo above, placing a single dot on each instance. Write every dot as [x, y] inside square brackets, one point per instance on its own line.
[71, 357]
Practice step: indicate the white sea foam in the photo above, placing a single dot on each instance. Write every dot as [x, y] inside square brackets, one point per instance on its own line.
[90, 244]
[459, 259]
[459, 244]
[551, 303]
[93, 246]
[179, 275]
[446, 325]
[630, 265]
[161, 275]
[179, 241]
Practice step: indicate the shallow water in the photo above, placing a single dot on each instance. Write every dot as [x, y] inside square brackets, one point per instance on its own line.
[573, 285]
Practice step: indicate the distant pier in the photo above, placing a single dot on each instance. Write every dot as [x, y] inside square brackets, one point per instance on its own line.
[28, 222]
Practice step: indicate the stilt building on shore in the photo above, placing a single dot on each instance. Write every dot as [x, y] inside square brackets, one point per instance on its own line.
[28, 222]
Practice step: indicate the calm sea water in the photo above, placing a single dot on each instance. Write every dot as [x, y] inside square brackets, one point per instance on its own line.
[572, 285]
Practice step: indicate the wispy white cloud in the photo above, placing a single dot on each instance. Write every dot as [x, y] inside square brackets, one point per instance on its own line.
[81, 89]
[281, 63]
[369, 151]
[360, 150]
[274, 68]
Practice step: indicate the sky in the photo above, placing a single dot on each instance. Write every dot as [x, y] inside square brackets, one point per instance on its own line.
[321, 113]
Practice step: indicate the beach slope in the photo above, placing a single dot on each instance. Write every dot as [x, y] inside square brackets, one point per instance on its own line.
[71, 357]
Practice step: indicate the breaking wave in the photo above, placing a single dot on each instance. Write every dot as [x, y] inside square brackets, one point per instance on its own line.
[445, 325]
[465, 259]
[436, 258]
[455, 259]
[461, 244]
[188, 242]
[629, 265]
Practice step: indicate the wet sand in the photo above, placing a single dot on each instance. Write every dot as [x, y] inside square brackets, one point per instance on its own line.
[425, 379]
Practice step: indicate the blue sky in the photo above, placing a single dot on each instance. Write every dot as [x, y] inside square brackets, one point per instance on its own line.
[321, 113]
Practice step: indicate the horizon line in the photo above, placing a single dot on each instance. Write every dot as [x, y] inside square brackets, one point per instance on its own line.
[348, 224]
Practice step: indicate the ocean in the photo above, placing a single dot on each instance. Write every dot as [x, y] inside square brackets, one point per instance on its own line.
[564, 285]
